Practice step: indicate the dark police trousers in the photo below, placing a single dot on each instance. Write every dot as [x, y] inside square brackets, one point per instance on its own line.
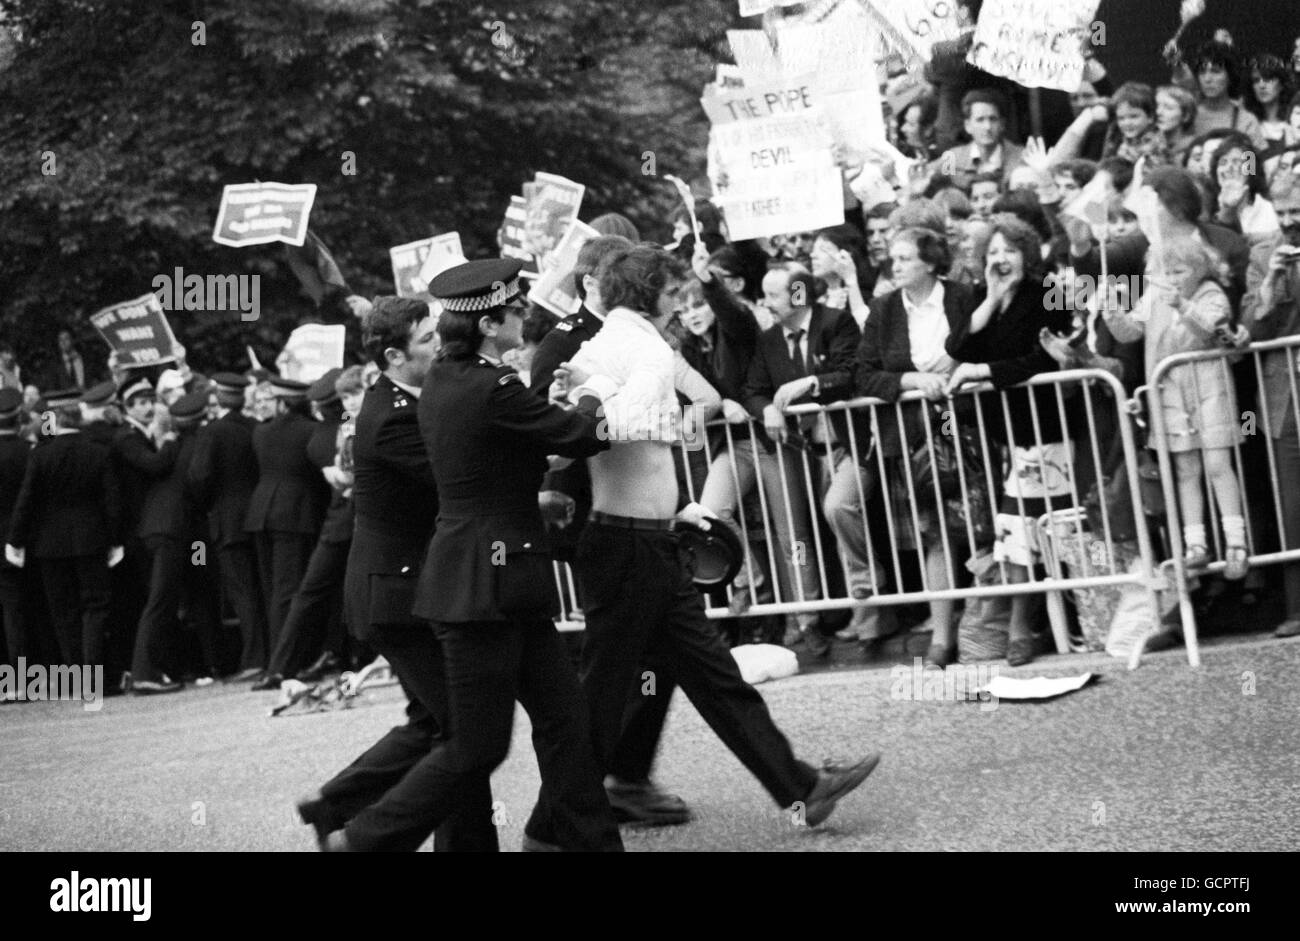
[282, 562]
[642, 608]
[318, 598]
[416, 658]
[174, 577]
[490, 664]
[242, 585]
[78, 595]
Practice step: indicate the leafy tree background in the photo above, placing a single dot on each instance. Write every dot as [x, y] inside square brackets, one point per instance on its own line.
[146, 128]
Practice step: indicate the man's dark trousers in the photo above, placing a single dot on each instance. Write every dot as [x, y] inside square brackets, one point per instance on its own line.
[642, 607]
[77, 592]
[242, 584]
[416, 658]
[282, 561]
[318, 599]
[490, 665]
[174, 577]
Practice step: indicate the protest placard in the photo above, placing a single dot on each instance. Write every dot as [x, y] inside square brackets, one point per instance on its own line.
[555, 289]
[415, 264]
[771, 161]
[551, 205]
[1037, 43]
[137, 331]
[912, 27]
[758, 7]
[256, 213]
[444, 252]
[512, 234]
[312, 350]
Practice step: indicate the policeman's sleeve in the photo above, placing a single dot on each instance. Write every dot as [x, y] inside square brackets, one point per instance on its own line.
[145, 459]
[556, 347]
[517, 411]
[21, 521]
[112, 496]
[198, 476]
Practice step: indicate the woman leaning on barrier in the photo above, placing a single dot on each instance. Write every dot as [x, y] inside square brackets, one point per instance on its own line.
[1000, 343]
[903, 349]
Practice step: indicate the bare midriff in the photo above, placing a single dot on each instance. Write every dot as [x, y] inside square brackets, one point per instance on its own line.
[634, 478]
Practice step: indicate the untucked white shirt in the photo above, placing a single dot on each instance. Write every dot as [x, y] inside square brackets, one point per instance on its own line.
[632, 370]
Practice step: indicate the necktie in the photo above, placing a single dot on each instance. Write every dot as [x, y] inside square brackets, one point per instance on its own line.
[796, 352]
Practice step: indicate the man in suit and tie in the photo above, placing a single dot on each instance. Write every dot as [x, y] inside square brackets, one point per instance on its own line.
[14, 453]
[69, 515]
[172, 526]
[70, 370]
[288, 504]
[396, 506]
[807, 356]
[222, 476]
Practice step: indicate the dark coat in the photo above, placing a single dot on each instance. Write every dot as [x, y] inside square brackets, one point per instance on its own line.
[322, 450]
[831, 346]
[885, 353]
[14, 452]
[733, 337]
[222, 475]
[68, 505]
[1009, 344]
[396, 505]
[170, 508]
[137, 463]
[487, 437]
[291, 495]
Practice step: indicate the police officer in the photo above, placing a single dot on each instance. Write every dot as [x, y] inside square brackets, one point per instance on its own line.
[221, 477]
[14, 453]
[487, 582]
[174, 530]
[138, 461]
[288, 504]
[95, 403]
[316, 603]
[396, 507]
[68, 513]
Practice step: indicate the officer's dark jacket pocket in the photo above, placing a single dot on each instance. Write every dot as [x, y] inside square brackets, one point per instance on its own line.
[525, 577]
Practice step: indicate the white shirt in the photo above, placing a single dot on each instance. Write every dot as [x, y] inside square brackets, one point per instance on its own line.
[927, 331]
[985, 165]
[632, 369]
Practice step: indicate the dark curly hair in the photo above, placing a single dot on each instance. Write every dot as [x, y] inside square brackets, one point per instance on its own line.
[389, 324]
[635, 277]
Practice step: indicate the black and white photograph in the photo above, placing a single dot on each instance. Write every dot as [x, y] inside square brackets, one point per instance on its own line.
[838, 426]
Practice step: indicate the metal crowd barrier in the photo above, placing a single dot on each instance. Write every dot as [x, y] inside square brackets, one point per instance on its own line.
[1265, 501]
[911, 522]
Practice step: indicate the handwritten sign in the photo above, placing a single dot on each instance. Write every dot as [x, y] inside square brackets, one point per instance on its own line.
[312, 350]
[256, 213]
[137, 331]
[912, 27]
[1034, 42]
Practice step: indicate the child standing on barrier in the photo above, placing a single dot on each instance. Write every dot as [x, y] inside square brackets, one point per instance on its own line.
[1186, 310]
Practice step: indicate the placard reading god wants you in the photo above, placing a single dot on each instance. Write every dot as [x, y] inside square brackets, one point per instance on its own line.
[773, 169]
[1034, 42]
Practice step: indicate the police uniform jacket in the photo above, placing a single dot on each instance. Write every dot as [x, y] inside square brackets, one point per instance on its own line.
[488, 438]
[137, 463]
[14, 453]
[396, 506]
[170, 509]
[68, 505]
[291, 495]
[222, 474]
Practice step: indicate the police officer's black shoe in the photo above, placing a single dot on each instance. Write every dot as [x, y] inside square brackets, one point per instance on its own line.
[326, 663]
[268, 681]
[832, 785]
[644, 803]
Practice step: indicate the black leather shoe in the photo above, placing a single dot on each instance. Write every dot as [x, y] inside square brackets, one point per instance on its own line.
[316, 813]
[831, 786]
[243, 676]
[534, 845]
[325, 664]
[154, 687]
[642, 802]
[269, 681]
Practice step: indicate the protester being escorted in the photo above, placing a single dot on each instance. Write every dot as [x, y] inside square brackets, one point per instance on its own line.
[221, 478]
[68, 516]
[488, 437]
[1000, 343]
[1278, 315]
[637, 582]
[396, 502]
[288, 504]
[173, 527]
[310, 643]
[903, 349]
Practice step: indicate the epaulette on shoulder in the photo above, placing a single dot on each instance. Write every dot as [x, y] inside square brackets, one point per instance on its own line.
[506, 378]
[564, 326]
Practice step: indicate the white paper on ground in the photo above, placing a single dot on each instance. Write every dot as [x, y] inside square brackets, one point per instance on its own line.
[1038, 687]
[759, 662]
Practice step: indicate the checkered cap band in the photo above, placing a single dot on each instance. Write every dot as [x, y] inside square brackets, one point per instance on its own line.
[483, 301]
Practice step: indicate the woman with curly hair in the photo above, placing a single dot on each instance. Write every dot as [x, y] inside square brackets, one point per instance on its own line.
[1267, 97]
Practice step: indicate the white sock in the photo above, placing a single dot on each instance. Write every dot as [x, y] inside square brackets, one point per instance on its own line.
[1194, 534]
[1234, 530]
